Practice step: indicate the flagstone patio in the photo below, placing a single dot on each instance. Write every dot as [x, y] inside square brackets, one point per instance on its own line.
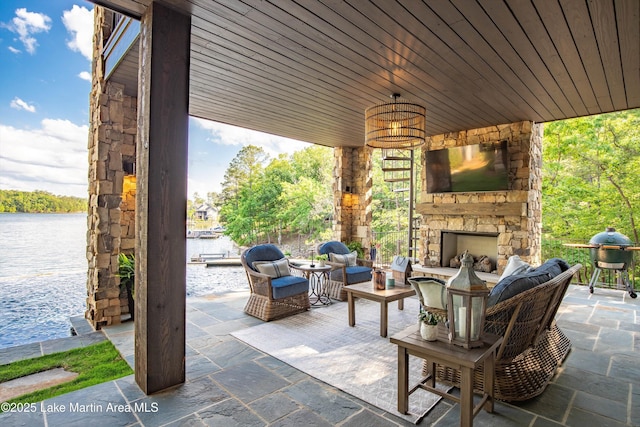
[230, 383]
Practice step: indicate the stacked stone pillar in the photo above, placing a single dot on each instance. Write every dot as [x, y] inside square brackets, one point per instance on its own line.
[111, 145]
[352, 182]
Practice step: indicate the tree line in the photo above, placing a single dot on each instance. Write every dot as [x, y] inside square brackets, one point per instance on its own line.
[264, 198]
[589, 170]
[12, 201]
[590, 176]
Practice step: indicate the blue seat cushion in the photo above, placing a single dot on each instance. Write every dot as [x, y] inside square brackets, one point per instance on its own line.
[334, 247]
[287, 286]
[512, 285]
[355, 274]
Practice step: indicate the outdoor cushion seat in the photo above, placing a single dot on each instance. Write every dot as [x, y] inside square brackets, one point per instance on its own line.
[287, 286]
[355, 274]
[342, 274]
[275, 292]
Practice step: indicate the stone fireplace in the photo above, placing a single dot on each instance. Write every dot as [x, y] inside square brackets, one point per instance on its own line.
[493, 223]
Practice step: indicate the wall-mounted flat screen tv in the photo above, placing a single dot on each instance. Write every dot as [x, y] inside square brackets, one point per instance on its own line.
[479, 167]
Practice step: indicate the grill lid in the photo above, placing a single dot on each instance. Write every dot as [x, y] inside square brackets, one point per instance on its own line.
[610, 237]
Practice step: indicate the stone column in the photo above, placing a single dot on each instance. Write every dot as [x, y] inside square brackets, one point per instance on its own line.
[111, 141]
[352, 182]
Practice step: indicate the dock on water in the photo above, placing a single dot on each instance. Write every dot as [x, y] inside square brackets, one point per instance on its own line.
[215, 259]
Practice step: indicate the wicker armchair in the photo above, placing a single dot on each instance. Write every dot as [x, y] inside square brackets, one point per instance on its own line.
[342, 274]
[277, 293]
[533, 345]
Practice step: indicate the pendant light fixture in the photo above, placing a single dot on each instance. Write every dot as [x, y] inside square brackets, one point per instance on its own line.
[396, 124]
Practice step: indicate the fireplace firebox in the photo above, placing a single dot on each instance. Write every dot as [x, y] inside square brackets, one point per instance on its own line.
[478, 244]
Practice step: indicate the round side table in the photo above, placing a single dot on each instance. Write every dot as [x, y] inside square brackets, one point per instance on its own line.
[318, 276]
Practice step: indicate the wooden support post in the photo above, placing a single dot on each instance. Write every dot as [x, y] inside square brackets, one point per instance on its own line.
[163, 98]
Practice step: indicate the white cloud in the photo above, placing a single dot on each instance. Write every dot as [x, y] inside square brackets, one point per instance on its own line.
[19, 104]
[85, 75]
[79, 23]
[52, 158]
[232, 135]
[26, 24]
[14, 50]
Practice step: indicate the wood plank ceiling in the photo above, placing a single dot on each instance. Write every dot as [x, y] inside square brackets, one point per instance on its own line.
[307, 69]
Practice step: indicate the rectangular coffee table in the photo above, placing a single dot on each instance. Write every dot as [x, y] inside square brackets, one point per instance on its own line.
[366, 290]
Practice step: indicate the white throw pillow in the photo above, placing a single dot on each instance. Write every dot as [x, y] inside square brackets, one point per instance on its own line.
[514, 266]
[274, 269]
[348, 259]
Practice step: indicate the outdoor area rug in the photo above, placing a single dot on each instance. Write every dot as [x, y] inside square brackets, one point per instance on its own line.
[356, 360]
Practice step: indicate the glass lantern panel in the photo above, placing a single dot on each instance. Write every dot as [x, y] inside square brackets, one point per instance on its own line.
[476, 317]
[459, 311]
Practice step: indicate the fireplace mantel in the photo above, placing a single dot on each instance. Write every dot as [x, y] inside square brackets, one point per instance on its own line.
[497, 209]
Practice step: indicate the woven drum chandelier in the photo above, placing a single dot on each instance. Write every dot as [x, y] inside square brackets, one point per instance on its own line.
[395, 125]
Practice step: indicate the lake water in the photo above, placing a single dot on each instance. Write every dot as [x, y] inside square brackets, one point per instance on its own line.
[43, 270]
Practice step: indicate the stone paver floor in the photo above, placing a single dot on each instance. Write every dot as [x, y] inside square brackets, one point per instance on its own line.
[231, 384]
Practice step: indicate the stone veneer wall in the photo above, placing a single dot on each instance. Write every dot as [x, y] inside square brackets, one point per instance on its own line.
[517, 234]
[352, 212]
[112, 136]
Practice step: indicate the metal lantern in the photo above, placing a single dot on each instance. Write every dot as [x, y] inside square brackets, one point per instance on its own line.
[466, 305]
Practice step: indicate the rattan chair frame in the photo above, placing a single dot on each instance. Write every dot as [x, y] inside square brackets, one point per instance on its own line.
[263, 305]
[533, 346]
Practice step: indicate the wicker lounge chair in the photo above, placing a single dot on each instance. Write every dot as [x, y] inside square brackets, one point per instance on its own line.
[533, 345]
[277, 293]
[342, 274]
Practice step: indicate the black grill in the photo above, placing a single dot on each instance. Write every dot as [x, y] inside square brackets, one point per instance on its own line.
[611, 250]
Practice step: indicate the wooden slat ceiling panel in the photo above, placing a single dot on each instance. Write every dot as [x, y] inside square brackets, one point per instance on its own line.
[509, 37]
[527, 17]
[307, 69]
[427, 82]
[606, 40]
[628, 22]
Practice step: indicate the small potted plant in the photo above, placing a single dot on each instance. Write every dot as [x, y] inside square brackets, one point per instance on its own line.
[428, 325]
[322, 259]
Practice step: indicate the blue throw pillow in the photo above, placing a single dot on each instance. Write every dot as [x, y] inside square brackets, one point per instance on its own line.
[513, 285]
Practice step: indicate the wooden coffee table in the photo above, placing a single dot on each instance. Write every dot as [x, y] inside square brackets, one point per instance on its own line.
[366, 290]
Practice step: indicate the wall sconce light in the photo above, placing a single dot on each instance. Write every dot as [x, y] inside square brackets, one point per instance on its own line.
[128, 185]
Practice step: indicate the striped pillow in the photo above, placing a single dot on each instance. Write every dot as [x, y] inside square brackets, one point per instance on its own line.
[274, 269]
[348, 259]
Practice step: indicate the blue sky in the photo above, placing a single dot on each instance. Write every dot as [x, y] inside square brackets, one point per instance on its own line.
[45, 67]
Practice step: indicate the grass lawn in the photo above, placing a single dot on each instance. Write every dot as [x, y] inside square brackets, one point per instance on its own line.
[95, 364]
